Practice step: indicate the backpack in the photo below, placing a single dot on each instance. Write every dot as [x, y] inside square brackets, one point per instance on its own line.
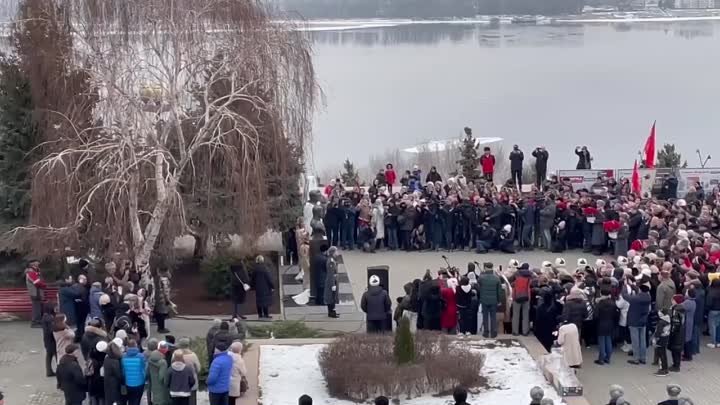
[521, 289]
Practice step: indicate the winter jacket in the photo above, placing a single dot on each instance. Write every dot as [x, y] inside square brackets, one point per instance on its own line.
[584, 160]
[662, 330]
[521, 286]
[541, 159]
[664, 294]
[157, 378]
[699, 303]
[449, 317]
[262, 283]
[639, 308]
[606, 314]
[218, 380]
[487, 162]
[71, 380]
[569, 338]
[376, 303]
[48, 337]
[330, 281]
[133, 367]
[113, 375]
[547, 216]
[63, 339]
[238, 371]
[193, 362]
[96, 379]
[67, 294]
[390, 176]
[575, 311]
[712, 300]
[95, 311]
[690, 306]
[465, 300]
[490, 288]
[677, 328]
[516, 159]
[405, 304]
[181, 380]
[90, 338]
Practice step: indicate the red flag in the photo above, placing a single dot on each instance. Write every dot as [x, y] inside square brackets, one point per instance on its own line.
[650, 149]
[636, 187]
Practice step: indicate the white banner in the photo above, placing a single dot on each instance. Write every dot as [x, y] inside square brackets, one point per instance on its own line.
[708, 177]
[647, 179]
[584, 179]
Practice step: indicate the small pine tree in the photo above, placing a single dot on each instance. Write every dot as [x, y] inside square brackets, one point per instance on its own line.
[470, 159]
[350, 176]
[669, 157]
[404, 349]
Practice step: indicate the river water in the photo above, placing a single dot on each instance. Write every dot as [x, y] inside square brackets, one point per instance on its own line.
[600, 85]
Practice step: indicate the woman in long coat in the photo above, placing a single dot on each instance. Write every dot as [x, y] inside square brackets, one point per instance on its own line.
[262, 283]
[378, 221]
[621, 242]
[331, 284]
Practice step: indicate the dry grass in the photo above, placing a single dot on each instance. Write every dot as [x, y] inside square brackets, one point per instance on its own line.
[439, 366]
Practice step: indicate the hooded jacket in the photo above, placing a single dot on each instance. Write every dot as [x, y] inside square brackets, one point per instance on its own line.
[95, 310]
[180, 380]
[218, 380]
[90, 339]
[376, 303]
[71, 380]
[112, 371]
[157, 378]
[238, 371]
[133, 367]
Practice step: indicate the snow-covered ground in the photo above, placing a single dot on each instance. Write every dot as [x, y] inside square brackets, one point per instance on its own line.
[287, 372]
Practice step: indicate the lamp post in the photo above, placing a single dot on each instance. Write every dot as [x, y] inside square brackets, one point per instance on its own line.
[703, 162]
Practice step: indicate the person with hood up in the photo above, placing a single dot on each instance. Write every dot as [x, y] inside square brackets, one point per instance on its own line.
[133, 368]
[677, 332]
[466, 298]
[218, 380]
[490, 295]
[433, 176]
[193, 363]
[262, 283]
[181, 380]
[47, 321]
[568, 337]
[330, 291]
[156, 372]
[449, 317]
[432, 306]
[238, 374]
[94, 333]
[547, 314]
[376, 304]
[522, 292]
[70, 377]
[606, 313]
[94, 373]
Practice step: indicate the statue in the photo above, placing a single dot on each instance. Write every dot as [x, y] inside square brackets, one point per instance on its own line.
[547, 401]
[313, 198]
[616, 392]
[317, 224]
[536, 395]
[622, 401]
[673, 392]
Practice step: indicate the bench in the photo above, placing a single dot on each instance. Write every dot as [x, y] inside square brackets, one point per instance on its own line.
[16, 301]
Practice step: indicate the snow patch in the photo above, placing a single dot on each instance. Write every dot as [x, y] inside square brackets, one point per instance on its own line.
[510, 371]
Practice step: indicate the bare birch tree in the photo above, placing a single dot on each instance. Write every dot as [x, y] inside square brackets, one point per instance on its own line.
[185, 94]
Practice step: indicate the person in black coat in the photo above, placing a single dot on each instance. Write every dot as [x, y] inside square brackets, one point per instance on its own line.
[94, 333]
[466, 298]
[48, 337]
[606, 315]
[82, 304]
[516, 166]
[546, 318]
[240, 283]
[559, 237]
[541, 160]
[113, 375]
[432, 308]
[70, 377]
[262, 283]
[319, 273]
[575, 309]
[96, 379]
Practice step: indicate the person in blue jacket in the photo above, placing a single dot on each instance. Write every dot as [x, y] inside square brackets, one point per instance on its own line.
[133, 367]
[218, 380]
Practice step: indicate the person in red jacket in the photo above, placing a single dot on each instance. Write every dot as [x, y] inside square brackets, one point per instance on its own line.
[449, 317]
[35, 286]
[390, 176]
[487, 162]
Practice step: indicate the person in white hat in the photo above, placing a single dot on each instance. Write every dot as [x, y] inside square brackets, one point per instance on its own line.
[376, 304]
[561, 267]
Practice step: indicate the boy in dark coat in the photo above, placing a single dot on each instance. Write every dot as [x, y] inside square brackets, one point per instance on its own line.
[48, 337]
[70, 377]
[606, 313]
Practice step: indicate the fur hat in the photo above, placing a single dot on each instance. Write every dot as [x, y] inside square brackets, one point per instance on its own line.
[560, 262]
[582, 262]
[600, 263]
[513, 264]
[374, 281]
[104, 299]
[622, 260]
[546, 264]
[637, 259]
[507, 228]
[101, 346]
[121, 334]
[118, 342]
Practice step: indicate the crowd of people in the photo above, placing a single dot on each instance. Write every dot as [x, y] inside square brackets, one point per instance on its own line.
[463, 214]
[98, 333]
